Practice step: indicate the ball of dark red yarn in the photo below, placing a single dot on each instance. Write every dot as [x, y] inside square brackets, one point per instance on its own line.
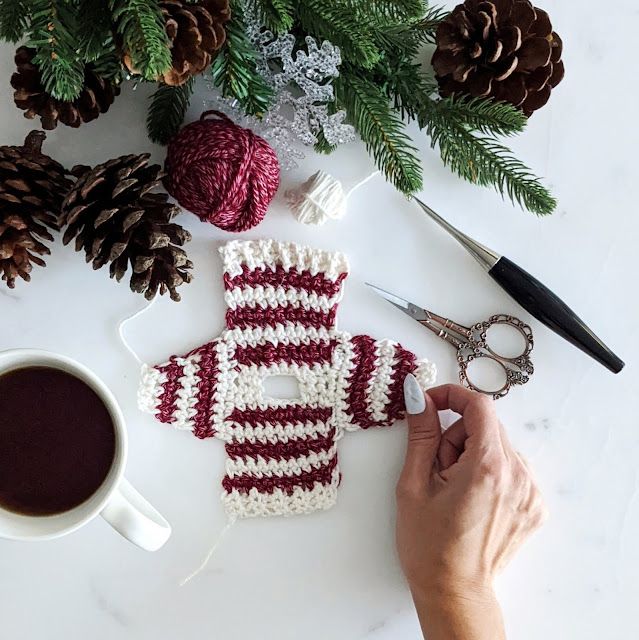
[222, 172]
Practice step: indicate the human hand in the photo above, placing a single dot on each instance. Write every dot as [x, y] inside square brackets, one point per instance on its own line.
[466, 501]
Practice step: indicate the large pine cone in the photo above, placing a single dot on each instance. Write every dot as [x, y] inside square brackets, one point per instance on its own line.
[505, 49]
[30, 96]
[196, 32]
[32, 188]
[115, 219]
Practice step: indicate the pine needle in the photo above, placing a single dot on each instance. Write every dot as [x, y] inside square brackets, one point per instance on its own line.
[234, 70]
[14, 19]
[381, 129]
[425, 29]
[383, 13]
[54, 36]
[141, 26]
[484, 115]
[94, 28]
[276, 15]
[343, 27]
[487, 162]
[167, 111]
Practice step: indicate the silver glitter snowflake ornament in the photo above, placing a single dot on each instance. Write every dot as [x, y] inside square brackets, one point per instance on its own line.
[304, 96]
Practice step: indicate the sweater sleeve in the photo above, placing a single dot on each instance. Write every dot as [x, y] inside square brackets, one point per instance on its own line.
[182, 392]
[372, 381]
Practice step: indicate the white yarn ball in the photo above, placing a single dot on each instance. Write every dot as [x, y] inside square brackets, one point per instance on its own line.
[317, 200]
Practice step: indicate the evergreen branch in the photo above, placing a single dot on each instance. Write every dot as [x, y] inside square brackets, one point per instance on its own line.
[141, 26]
[167, 110]
[382, 13]
[109, 66]
[484, 115]
[94, 28]
[403, 41]
[486, 162]
[276, 15]
[381, 130]
[406, 85]
[450, 123]
[53, 34]
[234, 69]
[410, 89]
[340, 25]
[323, 145]
[425, 29]
[14, 19]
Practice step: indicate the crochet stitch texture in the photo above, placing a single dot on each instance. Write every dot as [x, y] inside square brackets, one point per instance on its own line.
[282, 301]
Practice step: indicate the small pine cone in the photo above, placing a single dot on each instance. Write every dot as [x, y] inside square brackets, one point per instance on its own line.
[115, 219]
[196, 32]
[505, 49]
[30, 96]
[32, 188]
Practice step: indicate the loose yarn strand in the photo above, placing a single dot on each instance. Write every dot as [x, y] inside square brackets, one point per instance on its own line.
[211, 551]
[124, 322]
[361, 183]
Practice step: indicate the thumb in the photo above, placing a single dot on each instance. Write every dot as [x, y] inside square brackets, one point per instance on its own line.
[424, 434]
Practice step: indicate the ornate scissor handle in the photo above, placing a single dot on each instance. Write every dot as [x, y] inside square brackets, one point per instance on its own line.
[518, 369]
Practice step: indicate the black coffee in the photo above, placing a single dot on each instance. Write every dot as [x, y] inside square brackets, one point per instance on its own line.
[57, 441]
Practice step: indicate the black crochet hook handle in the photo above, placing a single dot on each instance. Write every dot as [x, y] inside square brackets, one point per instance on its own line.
[548, 308]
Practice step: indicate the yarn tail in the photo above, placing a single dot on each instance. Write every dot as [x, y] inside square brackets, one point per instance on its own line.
[211, 551]
[122, 324]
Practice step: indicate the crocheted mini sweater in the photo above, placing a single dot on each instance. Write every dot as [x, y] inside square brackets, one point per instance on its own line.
[282, 300]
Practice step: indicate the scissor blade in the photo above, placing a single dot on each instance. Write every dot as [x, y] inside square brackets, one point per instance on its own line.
[410, 309]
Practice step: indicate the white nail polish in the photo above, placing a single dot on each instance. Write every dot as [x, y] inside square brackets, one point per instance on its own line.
[413, 395]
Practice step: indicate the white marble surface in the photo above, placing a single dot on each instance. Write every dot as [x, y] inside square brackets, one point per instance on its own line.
[335, 575]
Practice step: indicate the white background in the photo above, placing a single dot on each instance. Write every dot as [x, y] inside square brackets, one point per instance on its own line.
[335, 574]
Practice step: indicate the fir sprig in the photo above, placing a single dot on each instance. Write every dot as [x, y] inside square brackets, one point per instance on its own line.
[386, 12]
[337, 23]
[94, 29]
[486, 162]
[425, 29]
[381, 129]
[234, 69]
[460, 127]
[484, 115]
[14, 19]
[276, 15]
[109, 66]
[54, 35]
[167, 110]
[141, 26]
[403, 41]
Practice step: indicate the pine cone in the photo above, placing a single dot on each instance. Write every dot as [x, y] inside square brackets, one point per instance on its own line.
[196, 32]
[505, 49]
[30, 96]
[115, 219]
[32, 187]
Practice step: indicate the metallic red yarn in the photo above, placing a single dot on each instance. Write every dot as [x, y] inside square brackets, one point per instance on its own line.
[223, 173]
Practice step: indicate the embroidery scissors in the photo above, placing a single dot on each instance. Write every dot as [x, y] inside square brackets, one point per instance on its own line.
[472, 343]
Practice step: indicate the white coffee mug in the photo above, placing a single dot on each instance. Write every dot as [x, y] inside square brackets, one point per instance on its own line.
[116, 500]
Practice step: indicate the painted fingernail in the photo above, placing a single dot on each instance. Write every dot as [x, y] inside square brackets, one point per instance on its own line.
[413, 395]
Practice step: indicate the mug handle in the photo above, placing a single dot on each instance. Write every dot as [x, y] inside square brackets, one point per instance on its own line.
[135, 519]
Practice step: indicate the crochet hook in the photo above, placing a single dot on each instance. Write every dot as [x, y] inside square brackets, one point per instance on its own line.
[533, 296]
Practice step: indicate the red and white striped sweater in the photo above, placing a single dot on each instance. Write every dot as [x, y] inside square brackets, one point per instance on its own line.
[282, 454]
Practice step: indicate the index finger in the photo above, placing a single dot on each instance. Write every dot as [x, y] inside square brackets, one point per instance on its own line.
[476, 408]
